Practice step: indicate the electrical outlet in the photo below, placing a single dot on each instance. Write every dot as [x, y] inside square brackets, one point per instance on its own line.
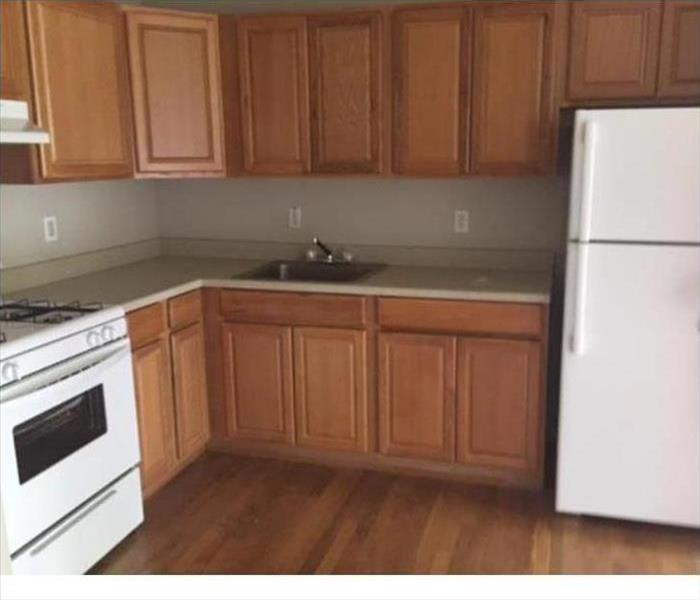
[295, 217]
[461, 224]
[50, 229]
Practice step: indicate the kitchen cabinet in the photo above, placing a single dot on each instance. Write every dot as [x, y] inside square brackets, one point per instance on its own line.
[330, 375]
[273, 72]
[156, 414]
[259, 382]
[346, 92]
[431, 58]
[614, 49]
[513, 111]
[679, 60]
[499, 403]
[14, 66]
[177, 97]
[417, 395]
[81, 97]
[168, 356]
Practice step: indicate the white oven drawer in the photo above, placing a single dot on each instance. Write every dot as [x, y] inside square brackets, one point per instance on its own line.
[86, 535]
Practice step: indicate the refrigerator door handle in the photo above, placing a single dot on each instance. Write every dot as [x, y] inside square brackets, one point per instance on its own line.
[578, 330]
[589, 134]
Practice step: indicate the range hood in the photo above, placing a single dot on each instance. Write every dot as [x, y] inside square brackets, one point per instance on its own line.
[15, 126]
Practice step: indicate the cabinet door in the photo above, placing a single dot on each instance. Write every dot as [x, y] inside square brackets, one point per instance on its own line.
[430, 78]
[156, 413]
[512, 115]
[189, 376]
[345, 70]
[330, 374]
[14, 66]
[499, 404]
[176, 83]
[258, 377]
[679, 69]
[81, 90]
[614, 49]
[417, 395]
[275, 95]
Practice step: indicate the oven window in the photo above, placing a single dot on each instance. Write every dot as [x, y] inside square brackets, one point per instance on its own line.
[48, 438]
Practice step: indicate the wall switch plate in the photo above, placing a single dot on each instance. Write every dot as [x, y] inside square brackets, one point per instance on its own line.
[295, 217]
[461, 224]
[50, 229]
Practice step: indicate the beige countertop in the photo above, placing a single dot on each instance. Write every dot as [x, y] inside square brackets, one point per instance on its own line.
[139, 284]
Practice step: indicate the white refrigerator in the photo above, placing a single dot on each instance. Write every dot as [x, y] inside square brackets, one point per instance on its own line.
[629, 423]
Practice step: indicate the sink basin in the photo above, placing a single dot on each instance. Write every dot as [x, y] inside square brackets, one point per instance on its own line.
[298, 270]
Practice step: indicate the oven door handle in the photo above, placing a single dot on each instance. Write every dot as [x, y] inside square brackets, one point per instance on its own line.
[69, 372]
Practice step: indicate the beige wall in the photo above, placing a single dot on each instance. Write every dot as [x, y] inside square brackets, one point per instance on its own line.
[91, 216]
[504, 213]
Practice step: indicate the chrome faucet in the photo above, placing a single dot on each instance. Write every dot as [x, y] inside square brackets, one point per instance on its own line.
[325, 249]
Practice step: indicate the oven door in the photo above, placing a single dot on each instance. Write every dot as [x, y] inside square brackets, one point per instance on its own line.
[65, 433]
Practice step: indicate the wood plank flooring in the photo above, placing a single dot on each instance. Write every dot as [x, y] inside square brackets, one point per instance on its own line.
[227, 514]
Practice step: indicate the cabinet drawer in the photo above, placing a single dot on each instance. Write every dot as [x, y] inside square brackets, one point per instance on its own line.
[461, 317]
[146, 324]
[185, 309]
[294, 309]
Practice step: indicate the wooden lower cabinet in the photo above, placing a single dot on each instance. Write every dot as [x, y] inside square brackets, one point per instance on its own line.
[156, 414]
[499, 405]
[259, 382]
[330, 376]
[190, 387]
[417, 395]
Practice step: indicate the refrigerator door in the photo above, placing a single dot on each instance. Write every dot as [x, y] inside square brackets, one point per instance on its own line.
[636, 175]
[629, 431]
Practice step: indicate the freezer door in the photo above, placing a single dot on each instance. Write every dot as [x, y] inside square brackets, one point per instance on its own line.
[629, 430]
[636, 175]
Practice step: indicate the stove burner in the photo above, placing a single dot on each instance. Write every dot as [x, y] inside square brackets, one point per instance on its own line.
[44, 311]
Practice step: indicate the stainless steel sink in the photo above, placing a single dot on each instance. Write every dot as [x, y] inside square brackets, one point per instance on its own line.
[298, 270]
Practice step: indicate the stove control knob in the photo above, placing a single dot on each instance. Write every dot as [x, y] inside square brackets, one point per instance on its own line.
[10, 372]
[94, 339]
[107, 333]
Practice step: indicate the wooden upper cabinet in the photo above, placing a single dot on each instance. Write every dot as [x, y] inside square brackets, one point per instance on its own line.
[614, 49]
[499, 410]
[14, 66]
[259, 382]
[345, 74]
[513, 106]
[176, 85]
[679, 68]
[81, 90]
[430, 78]
[273, 71]
[330, 376]
[417, 395]
[190, 386]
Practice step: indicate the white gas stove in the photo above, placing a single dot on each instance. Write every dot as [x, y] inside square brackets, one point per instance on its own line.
[68, 435]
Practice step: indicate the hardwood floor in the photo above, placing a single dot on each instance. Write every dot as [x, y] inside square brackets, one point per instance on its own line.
[227, 514]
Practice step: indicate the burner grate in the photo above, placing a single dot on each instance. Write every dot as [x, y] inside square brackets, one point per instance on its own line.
[45, 311]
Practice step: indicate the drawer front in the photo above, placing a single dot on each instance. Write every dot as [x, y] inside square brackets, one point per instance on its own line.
[146, 324]
[498, 318]
[185, 309]
[294, 309]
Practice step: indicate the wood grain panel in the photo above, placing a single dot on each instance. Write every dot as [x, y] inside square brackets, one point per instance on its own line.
[454, 316]
[294, 309]
[499, 403]
[417, 395]
[81, 97]
[185, 309]
[430, 88]
[259, 382]
[273, 59]
[14, 66]
[331, 378]
[146, 324]
[614, 49]
[345, 62]
[176, 81]
[513, 117]
[679, 68]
